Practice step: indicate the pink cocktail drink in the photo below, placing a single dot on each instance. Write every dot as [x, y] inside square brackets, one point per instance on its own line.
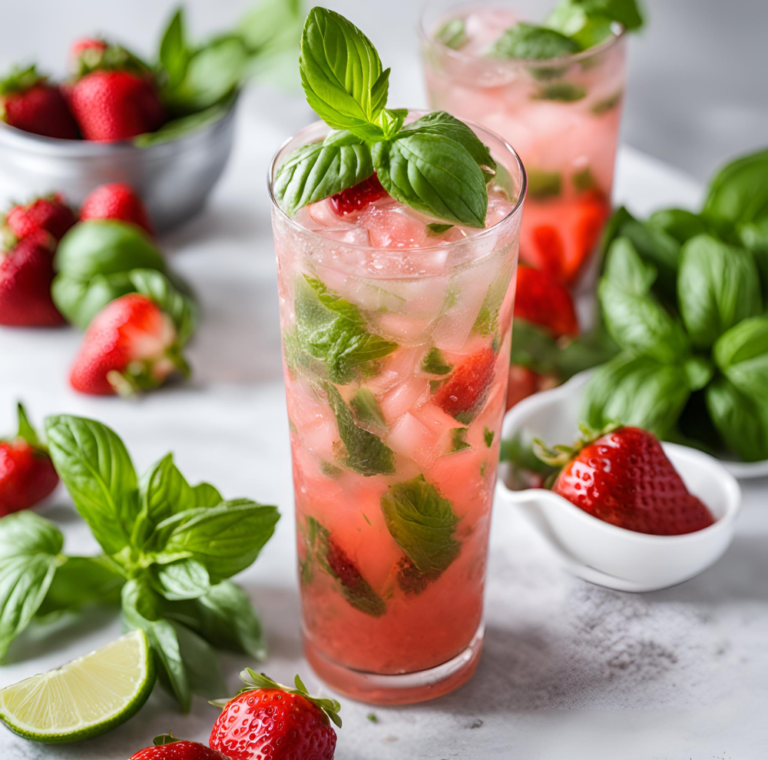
[396, 336]
[561, 114]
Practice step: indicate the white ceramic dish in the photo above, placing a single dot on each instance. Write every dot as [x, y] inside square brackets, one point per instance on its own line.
[604, 554]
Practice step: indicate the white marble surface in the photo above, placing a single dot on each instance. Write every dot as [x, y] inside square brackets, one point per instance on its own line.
[570, 671]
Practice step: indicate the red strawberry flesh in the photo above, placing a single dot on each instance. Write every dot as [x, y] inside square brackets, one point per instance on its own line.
[543, 301]
[467, 387]
[356, 198]
[624, 478]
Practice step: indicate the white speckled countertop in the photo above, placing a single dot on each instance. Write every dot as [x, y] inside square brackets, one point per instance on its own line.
[570, 671]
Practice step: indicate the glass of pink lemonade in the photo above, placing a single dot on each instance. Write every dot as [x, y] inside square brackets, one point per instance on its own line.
[396, 335]
[561, 113]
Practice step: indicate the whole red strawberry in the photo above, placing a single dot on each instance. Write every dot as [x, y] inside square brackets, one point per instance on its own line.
[465, 391]
[30, 103]
[541, 300]
[26, 273]
[27, 475]
[624, 478]
[85, 51]
[268, 721]
[116, 201]
[358, 197]
[169, 748]
[113, 96]
[48, 213]
[130, 346]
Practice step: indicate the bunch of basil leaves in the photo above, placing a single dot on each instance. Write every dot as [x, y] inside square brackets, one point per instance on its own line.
[169, 551]
[684, 295]
[200, 82]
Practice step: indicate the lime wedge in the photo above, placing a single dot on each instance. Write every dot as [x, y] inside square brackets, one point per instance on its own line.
[85, 697]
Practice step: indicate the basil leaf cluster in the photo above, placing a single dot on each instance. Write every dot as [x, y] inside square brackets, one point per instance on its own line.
[436, 164]
[169, 548]
[683, 295]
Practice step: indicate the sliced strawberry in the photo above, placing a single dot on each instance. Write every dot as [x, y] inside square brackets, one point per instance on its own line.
[130, 346]
[593, 212]
[358, 197]
[549, 251]
[48, 213]
[541, 300]
[464, 392]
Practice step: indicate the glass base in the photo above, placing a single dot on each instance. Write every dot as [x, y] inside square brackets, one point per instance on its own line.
[404, 689]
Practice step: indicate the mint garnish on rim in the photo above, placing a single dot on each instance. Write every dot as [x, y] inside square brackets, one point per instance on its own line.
[436, 165]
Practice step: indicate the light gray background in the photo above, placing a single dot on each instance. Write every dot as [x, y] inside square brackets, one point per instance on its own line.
[698, 83]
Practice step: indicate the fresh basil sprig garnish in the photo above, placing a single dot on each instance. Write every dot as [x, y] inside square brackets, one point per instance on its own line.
[436, 164]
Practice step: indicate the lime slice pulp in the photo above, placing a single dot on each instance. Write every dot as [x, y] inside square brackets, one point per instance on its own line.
[85, 697]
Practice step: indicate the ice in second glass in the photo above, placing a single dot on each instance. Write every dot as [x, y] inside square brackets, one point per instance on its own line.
[562, 116]
[396, 343]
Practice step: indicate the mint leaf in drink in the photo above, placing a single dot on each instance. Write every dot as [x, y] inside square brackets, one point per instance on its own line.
[488, 436]
[367, 410]
[433, 174]
[342, 75]
[487, 321]
[226, 539]
[82, 582]
[435, 230]
[320, 170]
[718, 287]
[741, 420]
[445, 125]
[561, 92]
[434, 363]
[453, 33]
[741, 354]
[626, 12]
[332, 329]
[323, 550]
[364, 453]
[571, 19]
[96, 469]
[423, 524]
[533, 43]
[584, 180]
[544, 184]
[29, 550]
[459, 440]
[608, 104]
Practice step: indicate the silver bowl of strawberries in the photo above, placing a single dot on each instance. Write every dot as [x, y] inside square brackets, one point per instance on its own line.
[167, 129]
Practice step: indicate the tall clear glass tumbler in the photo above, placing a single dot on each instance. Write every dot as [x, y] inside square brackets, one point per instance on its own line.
[562, 115]
[393, 493]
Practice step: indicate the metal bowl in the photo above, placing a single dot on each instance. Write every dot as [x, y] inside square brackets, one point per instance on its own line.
[174, 178]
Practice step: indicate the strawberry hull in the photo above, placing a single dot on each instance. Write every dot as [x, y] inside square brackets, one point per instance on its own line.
[396, 365]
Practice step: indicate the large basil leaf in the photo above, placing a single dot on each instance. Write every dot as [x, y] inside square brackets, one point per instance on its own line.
[570, 18]
[636, 390]
[754, 237]
[80, 301]
[271, 26]
[718, 287]
[226, 539]
[741, 421]
[29, 555]
[680, 224]
[175, 51]
[201, 663]
[80, 582]
[207, 495]
[738, 193]
[626, 270]
[433, 174]
[442, 123]
[342, 75]
[658, 248]
[320, 170]
[742, 356]
[96, 468]
[183, 579]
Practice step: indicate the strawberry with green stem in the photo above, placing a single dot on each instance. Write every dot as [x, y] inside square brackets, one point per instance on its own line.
[269, 720]
[49, 213]
[622, 476]
[27, 474]
[167, 747]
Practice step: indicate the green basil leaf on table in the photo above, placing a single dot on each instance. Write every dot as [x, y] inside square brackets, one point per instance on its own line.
[741, 420]
[680, 224]
[738, 193]
[142, 609]
[226, 539]
[96, 469]
[613, 227]
[201, 663]
[718, 287]
[445, 125]
[225, 618]
[81, 582]
[29, 555]
[532, 43]
[320, 170]
[636, 390]
[433, 174]
[342, 75]
[104, 247]
[741, 355]
[183, 579]
[333, 330]
[625, 269]
[80, 301]
[175, 51]
[206, 495]
[364, 452]
[655, 247]
[423, 524]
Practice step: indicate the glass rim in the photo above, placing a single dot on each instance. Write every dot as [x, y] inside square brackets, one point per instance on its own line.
[618, 32]
[271, 172]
